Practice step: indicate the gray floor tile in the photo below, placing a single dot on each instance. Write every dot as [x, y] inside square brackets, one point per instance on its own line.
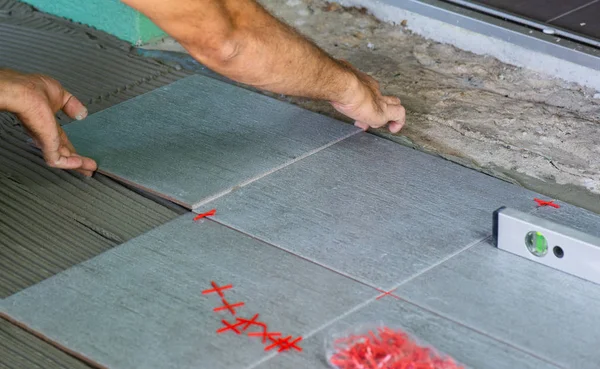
[572, 216]
[585, 21]
[199, 137]
[536, 308]
[371, 208]
[472, 349]
[140, 305]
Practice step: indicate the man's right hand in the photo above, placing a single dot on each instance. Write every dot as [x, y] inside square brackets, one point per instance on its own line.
[364, 103]
[35, 99]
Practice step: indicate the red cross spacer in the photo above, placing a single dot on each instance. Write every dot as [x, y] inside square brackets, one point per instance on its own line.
[388, 293]
[285, 344]
[217, 289]
[228, 306]
[266, 335]
[229, 327]
[204, 215]
[247, 323]
[546, 203]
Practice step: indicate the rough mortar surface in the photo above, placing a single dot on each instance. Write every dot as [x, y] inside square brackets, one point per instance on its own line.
[486, 114]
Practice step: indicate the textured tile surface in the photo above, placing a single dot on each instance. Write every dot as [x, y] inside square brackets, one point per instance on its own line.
[572, 216]
[533, 307]
[140, 304]
[199, 137]
[584, 21]
[371, 208]
[466, 346]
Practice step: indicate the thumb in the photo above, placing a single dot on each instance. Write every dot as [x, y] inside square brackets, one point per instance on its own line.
[73, 107]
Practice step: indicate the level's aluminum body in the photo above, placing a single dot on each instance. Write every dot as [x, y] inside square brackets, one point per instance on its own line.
[568, 250]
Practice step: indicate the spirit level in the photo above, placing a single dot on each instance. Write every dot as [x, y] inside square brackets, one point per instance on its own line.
[548, 243]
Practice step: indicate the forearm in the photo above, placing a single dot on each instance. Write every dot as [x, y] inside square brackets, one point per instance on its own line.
[240, 40]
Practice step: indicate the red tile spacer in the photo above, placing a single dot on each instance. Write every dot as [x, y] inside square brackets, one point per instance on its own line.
[217, 289]
[285, 344]
[546, 203]
[247, 323]
[289, 345]
[229, 327]
[388, 293]
[271, 336]
[279, 343]
[207, 214]
[228, 306]
[389, 349]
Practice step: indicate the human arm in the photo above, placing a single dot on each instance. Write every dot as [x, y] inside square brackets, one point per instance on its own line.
[241, 40]
[35, 99]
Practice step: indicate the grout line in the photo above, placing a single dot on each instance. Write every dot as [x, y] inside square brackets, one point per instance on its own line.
[368, 301]
[433, 312]
[494, 338]
[572, 11]
[339, 272]
[315, 331]
[359, 306]
[282, 166]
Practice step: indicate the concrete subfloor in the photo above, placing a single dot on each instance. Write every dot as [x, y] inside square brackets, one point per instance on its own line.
[510, 122]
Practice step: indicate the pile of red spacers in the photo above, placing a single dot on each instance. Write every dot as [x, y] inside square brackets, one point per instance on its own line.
[385, 348]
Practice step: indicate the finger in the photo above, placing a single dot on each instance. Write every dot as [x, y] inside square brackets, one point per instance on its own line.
[44, 130]
[393, 100]
[42, 126]
[395, 127]
[73, 107]
[362, 125]
[396, 113]
[88, 166]
[64, 139]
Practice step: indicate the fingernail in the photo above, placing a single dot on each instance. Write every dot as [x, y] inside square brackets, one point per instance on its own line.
[82, 114]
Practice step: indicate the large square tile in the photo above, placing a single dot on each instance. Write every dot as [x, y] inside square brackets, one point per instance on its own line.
[371, 209]
[468, 347]
[531, 306]
[198, 137]
[141, 305]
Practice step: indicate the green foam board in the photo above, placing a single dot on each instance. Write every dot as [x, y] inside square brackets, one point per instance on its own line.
[111, 16]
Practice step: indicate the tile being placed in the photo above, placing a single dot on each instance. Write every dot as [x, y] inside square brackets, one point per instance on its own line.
[140, 305]
[536, 308]
[371, 208]
[472, 349]
[198, 137]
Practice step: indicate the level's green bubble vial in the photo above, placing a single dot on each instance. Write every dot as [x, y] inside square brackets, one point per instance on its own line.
[536, 243]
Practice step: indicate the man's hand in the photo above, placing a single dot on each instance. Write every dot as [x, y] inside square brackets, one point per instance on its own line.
[368, 107]
[241, 40]
[35, 99]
